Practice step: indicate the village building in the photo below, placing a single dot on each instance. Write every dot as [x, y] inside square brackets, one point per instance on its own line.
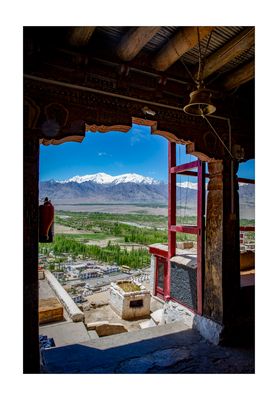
[89, 273]
[109, 269]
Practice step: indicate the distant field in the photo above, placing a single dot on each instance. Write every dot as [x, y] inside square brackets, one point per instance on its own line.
[63, 229]
[121, 237]
[158, 205]
[143, 209]
[148, 209]
[89, 236]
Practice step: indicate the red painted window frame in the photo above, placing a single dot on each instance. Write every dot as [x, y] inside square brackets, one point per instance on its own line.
[199, 229]
[160, 291]
[173, 170]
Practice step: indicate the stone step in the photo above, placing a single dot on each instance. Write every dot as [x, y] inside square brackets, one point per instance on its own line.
[136, 336]
[157, 317]
[103, 355]
[147, 324]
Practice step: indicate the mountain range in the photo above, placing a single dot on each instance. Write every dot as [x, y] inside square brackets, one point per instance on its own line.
[130, 188]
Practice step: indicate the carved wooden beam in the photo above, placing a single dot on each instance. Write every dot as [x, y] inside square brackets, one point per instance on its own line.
[66, 139]
[97, 108]
[185, 39]
[239, 76]
[106, 129]
[134, 41]
[80, 35]
[229, 51]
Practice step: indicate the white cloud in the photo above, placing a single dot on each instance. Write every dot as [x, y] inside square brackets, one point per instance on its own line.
[136, 135]
[102, 153]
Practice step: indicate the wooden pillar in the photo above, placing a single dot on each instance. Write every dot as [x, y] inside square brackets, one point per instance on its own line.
[222, 270]
[31, 355]
[171, 216]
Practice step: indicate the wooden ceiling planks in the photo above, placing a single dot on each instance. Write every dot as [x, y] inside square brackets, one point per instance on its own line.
[180, 41]
[240, 76]
[242, 42]
[79, 36]
[134, 41]
[185, 39]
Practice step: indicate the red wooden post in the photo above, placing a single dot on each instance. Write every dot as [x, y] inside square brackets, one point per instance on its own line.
[200, 236]
[171, 216]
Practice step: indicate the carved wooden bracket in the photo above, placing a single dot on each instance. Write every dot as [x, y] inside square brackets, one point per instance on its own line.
[106, 129]
[170, 136]
[66, 139]
[190, 149]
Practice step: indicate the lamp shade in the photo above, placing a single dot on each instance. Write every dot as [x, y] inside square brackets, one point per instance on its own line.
[200, 103]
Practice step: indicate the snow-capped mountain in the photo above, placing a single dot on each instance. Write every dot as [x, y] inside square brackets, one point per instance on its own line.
[101, 178]
[131, 188]
[105, 179]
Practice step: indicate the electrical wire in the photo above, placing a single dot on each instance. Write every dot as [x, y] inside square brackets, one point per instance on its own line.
[229, 151]
[210, 35]
[216, 134]
[188, 71]
[200, 57]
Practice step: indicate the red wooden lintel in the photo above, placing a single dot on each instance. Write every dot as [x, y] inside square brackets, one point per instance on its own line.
[183, 167]
[185, 229]
[146, 122]
[158, 252]
[246, 180]
[247, 228]
[195, 173]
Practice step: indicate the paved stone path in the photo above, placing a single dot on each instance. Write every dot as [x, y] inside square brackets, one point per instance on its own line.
[170, 349]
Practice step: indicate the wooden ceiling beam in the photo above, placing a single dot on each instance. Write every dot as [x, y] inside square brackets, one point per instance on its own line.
[134, 40]
[239, 76]
[80, 35]
[229, 51]
[184, 40]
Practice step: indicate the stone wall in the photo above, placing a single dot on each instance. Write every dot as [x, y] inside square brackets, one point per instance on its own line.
[184, 284]
[74, 312]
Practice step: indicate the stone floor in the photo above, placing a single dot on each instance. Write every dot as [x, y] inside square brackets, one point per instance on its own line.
[67, 332]
[170, 349]
[165, 349]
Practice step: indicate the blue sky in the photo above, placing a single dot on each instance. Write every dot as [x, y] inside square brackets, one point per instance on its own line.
[115, 153]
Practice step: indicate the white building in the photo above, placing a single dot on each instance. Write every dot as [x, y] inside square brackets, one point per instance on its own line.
[108, 269]
[89, 273]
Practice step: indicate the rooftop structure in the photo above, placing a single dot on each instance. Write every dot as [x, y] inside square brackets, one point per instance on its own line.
[89, 273]
[129, 300]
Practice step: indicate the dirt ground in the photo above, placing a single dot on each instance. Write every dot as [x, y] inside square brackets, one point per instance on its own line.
[67, 230]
